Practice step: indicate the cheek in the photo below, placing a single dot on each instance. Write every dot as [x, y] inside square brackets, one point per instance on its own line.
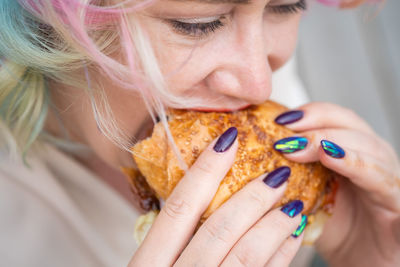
[183, 66]
[282, 40]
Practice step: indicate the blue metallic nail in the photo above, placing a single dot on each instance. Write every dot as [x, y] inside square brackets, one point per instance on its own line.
[226, 140]
[293, 208]
[289, 117]
[332, 149]
[291, 144]
[301, 226]
[277, 177]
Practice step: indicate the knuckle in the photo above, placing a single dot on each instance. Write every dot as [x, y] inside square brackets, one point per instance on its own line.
[315, 137]
[218, 231]
[282, 223]
[287, 251]
[387, 150]
[204, 167]
[177, 208]
[381, 149]
[358, 161]
[243, 257]
[325, 134]
[257, 199]
[391, 183]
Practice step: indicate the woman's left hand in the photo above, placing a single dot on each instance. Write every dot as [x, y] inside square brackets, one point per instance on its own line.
[364, 229]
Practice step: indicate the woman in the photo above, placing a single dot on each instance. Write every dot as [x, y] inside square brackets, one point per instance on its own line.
[133, 59]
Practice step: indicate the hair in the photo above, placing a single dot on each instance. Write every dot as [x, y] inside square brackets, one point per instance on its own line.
[49, 40]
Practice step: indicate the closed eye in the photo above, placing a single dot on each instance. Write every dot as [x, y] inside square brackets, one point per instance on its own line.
[203, 29]
[290, 8]
[196, 29]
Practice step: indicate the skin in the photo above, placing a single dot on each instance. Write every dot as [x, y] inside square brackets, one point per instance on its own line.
[231, 68]
[222, 70]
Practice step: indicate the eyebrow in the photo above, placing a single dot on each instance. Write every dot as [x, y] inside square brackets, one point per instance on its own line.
[217, 1]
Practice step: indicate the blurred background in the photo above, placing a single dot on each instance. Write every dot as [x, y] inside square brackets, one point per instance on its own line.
[352, 58]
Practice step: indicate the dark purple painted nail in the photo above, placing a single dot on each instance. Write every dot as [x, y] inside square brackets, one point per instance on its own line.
[225, 141]
[277, 177]
[289, 117]
[293, 208]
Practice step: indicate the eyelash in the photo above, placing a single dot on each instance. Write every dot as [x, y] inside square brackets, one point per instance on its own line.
[203, 29]
[292, 8]
[197, 29]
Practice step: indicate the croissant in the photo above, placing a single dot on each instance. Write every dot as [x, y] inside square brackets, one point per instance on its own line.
[192, 131]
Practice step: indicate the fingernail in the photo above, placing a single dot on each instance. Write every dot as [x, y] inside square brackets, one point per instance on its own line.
[332, 149]
[277, 177]
[291, 144]
[293, 208]
[289, 117]
[226, 140]
[301, 227]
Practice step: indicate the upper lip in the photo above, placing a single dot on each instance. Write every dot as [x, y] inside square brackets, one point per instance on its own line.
[146, 127]
[220, 109]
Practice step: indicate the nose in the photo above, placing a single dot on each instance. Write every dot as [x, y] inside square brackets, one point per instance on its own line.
[242, 70]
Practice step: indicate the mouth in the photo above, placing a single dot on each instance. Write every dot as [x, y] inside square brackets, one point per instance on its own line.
[221, 109]
[146, 128]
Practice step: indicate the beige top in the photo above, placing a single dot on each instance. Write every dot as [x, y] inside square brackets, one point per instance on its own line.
[57, 213]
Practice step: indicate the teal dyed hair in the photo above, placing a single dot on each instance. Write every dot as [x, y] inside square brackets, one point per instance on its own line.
[23, 91]
[32, 53]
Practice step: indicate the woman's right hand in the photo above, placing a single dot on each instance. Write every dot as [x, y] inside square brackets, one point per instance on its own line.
[244, 231]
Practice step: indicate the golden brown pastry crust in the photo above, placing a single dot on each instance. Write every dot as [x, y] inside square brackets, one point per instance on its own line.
[257, 132]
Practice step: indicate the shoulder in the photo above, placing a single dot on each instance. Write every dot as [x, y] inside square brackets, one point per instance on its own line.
[33, 228]
[58, 213]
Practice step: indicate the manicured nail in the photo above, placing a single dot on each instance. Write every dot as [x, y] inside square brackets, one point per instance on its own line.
[289, 117]
[301, 226]
[332, 149]
[293, 208]
[226, 140]
[291, 144]
[277, 177]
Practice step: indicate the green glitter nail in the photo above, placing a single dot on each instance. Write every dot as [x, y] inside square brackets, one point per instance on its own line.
[291, 144]
[332, 149]
[301, 226]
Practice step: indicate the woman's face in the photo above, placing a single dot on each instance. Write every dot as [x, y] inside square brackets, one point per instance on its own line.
[230, 47]
[222, 51]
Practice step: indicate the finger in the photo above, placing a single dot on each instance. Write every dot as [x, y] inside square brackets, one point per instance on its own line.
[262, 241]
[228, 223]
[355, 140]
[286, 252]
[382, 182]
[363, 163]
[179, 216]
[319, 115]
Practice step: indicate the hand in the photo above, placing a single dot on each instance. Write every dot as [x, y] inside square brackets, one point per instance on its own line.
[244, 231]
[365, 227]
